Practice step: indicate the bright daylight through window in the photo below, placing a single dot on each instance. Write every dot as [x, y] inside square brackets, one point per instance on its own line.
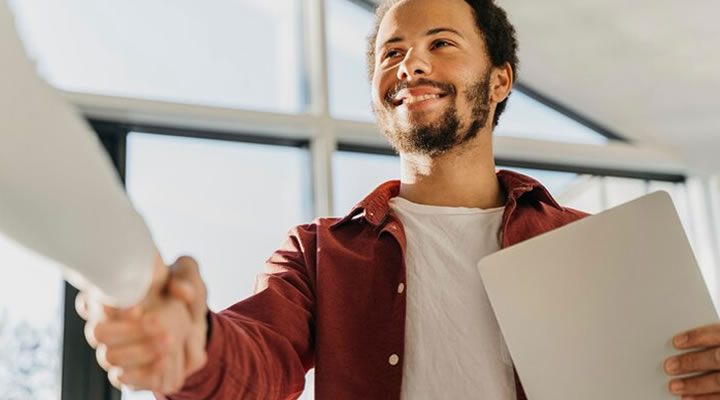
[206, 53]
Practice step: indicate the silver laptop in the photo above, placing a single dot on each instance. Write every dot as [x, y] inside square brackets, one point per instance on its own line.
[589, 310]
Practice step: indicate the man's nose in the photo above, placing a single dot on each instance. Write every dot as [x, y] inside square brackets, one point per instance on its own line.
[413, 66]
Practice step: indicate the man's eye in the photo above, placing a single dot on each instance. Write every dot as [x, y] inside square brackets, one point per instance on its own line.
[391, 54]
[440, 43]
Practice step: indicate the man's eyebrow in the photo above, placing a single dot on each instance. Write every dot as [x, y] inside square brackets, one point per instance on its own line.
[439, 30]
[393, 40]
[428, 33]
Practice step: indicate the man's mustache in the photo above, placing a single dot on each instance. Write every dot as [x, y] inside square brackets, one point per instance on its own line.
[445, 87]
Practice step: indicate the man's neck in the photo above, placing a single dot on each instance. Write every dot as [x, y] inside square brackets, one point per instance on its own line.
[463, 177]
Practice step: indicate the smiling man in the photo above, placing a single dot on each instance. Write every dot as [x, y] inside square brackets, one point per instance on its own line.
[386, 303]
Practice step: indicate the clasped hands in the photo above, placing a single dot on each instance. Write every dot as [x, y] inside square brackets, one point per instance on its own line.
[156, 344]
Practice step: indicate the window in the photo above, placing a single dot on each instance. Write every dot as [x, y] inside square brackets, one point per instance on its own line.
[243, 54]
[348, 25]
[355, 175]
[530, 119]
[31, 325]
[228, 204]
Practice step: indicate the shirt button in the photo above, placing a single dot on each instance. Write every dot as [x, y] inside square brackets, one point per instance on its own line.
[394, 359]
[401, 288]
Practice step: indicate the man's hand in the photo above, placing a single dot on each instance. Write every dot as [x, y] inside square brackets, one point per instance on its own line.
[703, 360]
[158, 343]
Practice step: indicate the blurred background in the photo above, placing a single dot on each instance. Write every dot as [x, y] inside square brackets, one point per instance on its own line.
[230, 121]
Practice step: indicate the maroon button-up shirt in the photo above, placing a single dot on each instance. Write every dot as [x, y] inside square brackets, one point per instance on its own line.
[330, 300]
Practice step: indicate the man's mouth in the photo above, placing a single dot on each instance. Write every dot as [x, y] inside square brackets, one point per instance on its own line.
[417, 99]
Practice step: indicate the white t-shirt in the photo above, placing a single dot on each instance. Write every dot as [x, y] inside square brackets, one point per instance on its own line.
[453, 345]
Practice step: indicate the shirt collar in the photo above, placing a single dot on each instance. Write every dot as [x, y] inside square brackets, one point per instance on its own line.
[375, 208]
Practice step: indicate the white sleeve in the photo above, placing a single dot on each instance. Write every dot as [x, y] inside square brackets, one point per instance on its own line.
[59, 194]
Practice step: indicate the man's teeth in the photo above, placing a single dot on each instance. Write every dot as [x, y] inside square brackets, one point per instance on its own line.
[410, 100]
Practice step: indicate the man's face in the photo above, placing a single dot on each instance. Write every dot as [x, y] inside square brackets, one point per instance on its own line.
[430, 88]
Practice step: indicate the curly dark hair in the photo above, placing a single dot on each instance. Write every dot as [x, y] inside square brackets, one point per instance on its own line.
[492, 23]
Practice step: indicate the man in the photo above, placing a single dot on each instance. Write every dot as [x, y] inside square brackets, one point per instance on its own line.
[385, 303]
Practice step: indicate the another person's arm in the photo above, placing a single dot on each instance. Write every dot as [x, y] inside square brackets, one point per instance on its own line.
[61, 196]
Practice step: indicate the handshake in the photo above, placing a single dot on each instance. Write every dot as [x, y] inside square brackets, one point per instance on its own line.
[156, 344]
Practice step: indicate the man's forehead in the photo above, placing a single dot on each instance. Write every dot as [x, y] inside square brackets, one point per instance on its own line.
[410, 18]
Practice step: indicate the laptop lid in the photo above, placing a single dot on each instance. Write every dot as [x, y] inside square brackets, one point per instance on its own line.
[589, 310]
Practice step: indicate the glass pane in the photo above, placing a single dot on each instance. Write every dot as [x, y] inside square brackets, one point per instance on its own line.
[355, 175]
[348, 25]
[528, 118]
[243, 53]
[31, 325]
[678, 193]
[622, 190]
[227, 204]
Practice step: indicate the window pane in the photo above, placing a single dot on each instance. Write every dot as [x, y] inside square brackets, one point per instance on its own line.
[622, 190]
[348, 25]
[227, 204]
[528, 118]
[31, 325]
[243, 53]
[355, 175]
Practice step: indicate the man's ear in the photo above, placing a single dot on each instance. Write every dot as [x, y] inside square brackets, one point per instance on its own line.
[502, 80]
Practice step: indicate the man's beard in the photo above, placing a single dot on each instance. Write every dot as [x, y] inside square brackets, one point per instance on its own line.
[439, 136]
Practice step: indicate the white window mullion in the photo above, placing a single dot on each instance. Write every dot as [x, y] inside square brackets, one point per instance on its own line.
[315, 56]
[323, 143]
[712, 194]
[322, 148]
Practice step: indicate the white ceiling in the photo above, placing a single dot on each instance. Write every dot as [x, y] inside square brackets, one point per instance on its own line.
[648, 70]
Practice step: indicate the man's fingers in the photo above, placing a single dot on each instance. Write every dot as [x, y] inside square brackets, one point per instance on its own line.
[699, 361]
[148, 377]
[133, 355]
[703, 397]
[113, 333]
[704, 336]
[174, 377]
[707, 385]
